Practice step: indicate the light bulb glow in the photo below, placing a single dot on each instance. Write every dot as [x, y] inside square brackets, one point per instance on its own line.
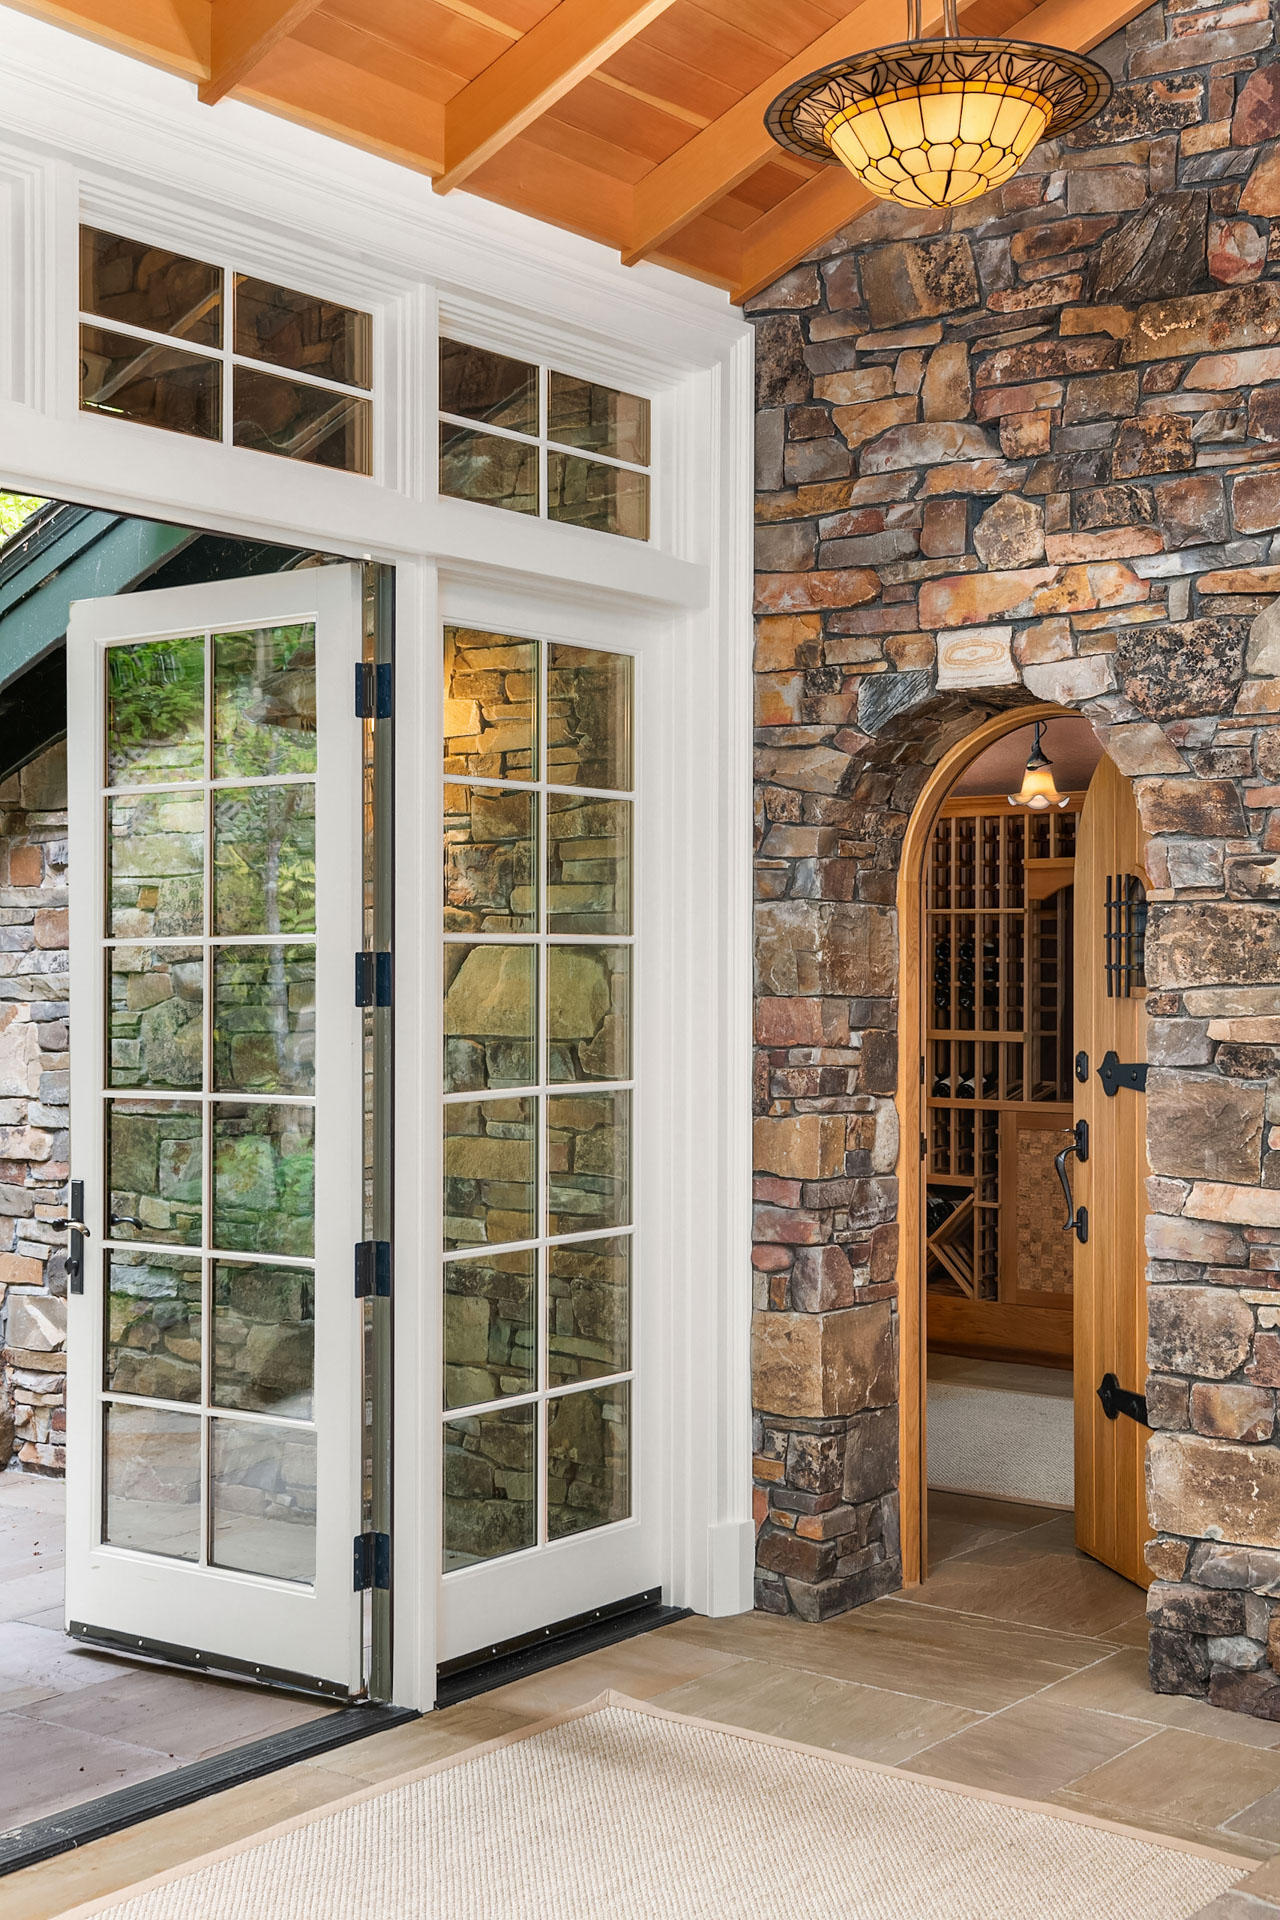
[940, 145]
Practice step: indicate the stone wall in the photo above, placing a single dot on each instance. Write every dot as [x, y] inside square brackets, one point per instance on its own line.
[33, 1113]
[1032, 450]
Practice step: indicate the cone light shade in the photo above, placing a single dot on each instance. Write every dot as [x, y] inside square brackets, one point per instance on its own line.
[933, 123]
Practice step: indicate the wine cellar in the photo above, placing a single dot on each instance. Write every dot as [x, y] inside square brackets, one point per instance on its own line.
[998, 1077]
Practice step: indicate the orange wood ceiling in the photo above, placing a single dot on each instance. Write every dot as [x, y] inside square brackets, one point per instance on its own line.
[636, 122]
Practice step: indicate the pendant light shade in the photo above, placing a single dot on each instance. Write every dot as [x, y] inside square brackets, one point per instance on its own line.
[1038, 792]
[933, 123]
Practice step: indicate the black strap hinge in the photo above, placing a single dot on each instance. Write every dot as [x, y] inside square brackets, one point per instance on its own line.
[1117, 1400]
[373, 979]
[373, 690]
[373, 1270]
[1115, 1073]
[372, 1561]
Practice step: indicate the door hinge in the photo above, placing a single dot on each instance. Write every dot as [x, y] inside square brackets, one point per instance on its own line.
[371, 1561]
[1115, 1400]
[373, 1269]
[373, 979]
[373, 690]
[1115, 1073]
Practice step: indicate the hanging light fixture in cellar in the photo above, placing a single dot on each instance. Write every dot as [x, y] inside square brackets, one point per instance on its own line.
[1038, 791]
[934, 122]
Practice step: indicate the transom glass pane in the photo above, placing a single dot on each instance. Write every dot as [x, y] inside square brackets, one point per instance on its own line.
[480, 466]
[588, 494]
[132, 282]
[301, 331]
[480, 385]
[599, 419]
[150, 383]
[292, 418]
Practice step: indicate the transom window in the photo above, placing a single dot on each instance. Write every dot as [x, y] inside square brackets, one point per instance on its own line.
[187, 344]
[548, 443]
[538, 1088]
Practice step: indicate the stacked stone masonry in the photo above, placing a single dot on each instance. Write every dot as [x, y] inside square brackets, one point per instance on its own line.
[1031, 450]
[33, 1114]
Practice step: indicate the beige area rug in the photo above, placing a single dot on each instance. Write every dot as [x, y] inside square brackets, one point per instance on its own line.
[621, 1811]
[1006, 1445]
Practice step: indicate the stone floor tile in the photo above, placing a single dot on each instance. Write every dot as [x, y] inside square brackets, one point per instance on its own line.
[1240, 1846]
[1036, 1578]
[23, 1594]
[1261, 1820]
[817, 1711]
[40, 1657]
[1032, 1749]
[1190, 1777]
[182, 1718]
[960, 1522]
[62, 1766]
[437, 1736]
[642, 1667]
[1119, 1684]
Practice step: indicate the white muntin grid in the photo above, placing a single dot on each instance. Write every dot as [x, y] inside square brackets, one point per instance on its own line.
[204, 1255]
[542, 443]
[543, 1091]
[228, 359]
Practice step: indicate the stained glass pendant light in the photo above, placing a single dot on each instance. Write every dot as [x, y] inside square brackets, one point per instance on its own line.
[935, 122]
[1038, 792]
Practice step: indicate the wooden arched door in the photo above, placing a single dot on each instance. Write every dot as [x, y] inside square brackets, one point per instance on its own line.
[1109, 1187]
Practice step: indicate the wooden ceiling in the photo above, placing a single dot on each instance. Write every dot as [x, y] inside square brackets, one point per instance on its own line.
[636, 122]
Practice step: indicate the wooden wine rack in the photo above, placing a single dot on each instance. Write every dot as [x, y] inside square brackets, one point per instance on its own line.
[997, 1075]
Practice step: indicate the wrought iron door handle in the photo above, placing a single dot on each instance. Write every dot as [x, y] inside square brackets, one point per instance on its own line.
[1077, 1220]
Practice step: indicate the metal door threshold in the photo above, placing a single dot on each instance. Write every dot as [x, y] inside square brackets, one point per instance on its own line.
[552, 1646]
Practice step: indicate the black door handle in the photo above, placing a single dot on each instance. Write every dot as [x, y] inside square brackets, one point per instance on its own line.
[1077, 1220]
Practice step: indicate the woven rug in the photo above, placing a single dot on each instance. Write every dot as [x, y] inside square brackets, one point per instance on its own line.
[621, 1811]
[1008, 1445]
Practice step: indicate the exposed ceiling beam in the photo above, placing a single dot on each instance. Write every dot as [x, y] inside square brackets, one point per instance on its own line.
[808, 217]
[173, 34]
[801, 222]
[242, 33]
[563, 48]
[714, 161]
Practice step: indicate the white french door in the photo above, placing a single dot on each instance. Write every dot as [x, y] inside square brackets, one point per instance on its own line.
[214, 1392]
[551, 1449]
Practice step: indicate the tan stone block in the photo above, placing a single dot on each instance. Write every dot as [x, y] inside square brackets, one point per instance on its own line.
[1264, 1032]
[1110, 543]
[854, 387]
[1025, 435]
[814, 1365]
[805, 1146]
[781, 640]
[26, 866]
[1143, 748]
[1201, 1126]
[1228, 1411]
[1221, 372]
[1261, 192]
[18, 1270]
[1238, 317]
[1117, 321]
[994, 402]
[1171, 1237]
[1198, 1486]
[1048, 640]
[1243, 1206]
[976, 657]
[798, 592]
[856, 425]
[948, 386]
[1167, 1559]
[1068, 682]
[1197, 1330]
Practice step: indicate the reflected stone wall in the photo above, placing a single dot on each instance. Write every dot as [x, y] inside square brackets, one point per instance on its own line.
[34, 1151]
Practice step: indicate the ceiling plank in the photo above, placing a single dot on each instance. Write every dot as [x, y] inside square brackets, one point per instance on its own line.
[567, 45]
[173, 34]
[304, 84]
[242, 34]
[713, 162]
[833, 197]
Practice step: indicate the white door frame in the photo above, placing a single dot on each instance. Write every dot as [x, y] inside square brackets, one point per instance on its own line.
[88, 132]
[317, 1631]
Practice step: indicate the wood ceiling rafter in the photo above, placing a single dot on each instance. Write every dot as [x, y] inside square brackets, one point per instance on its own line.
[565, 47]
[679, 171]
[242, 33]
